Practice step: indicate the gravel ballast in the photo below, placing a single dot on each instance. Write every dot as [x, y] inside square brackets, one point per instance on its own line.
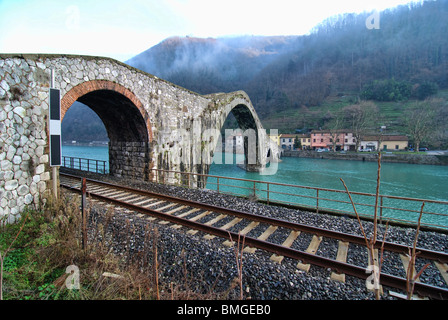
[207, 265]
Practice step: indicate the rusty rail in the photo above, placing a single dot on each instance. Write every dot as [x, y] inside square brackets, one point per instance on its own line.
[340, 267]
[402, 210]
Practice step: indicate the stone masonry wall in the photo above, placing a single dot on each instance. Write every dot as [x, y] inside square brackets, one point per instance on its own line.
[169, 113]
[129, 159]
[23, 139]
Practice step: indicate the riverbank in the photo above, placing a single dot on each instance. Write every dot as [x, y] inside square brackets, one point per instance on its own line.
[430, 159]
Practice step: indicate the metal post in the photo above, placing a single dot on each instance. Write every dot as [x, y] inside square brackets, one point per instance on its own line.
[83, 213]
[317, 201]
[217, 183]
[54, 169]
[267, 189]
[254, 189]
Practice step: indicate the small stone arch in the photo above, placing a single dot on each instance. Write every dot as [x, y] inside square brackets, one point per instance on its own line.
[215, 115]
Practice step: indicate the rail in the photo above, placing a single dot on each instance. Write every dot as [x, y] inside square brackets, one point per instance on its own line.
[402, 210]
[146, 202]
[84, 164]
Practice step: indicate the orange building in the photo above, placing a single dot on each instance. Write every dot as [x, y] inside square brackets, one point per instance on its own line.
[321, 139]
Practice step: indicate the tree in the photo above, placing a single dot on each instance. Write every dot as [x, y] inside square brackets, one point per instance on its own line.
[387, 90]
[334, 126]
[426, 89]
[421, 121]
[297, 143]
[361, 118]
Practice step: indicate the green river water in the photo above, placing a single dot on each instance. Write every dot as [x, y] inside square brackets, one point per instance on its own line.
[397, 179]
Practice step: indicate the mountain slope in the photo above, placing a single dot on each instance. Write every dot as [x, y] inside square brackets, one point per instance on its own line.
[340, 56]
[297, 81]
[211, 65]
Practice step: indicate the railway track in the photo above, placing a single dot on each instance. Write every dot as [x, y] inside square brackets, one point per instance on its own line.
[259, 230]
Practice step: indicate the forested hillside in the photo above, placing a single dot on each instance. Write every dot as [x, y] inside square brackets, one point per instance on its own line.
[304, 81]
[340, 56]
[82, 124]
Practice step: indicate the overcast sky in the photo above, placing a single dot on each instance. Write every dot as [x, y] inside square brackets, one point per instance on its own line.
[121, 29]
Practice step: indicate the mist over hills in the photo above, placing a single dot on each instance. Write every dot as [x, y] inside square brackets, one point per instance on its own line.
[341, 55]
[339, 58]
[208, 65]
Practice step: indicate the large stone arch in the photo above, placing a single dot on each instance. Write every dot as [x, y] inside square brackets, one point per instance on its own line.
[259, 149]
[126, 121]
[88, 87]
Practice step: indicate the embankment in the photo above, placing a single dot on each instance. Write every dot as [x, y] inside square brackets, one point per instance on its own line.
[372, 156]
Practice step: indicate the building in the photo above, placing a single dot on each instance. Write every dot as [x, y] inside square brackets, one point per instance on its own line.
[332, 140]
[287, 141]
[305, 141]
[369, 143]
[235, 142]
[384, 143]
[275, 138]
[394, 142]
[349, 141]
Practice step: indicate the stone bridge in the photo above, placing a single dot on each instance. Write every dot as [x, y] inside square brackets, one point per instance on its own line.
[151, 123]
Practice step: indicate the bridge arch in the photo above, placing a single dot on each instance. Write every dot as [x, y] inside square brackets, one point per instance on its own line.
[99, 90]
[212, 121]
[125, 119]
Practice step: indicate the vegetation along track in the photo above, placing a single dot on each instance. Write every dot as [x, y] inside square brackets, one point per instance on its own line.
[189, 214]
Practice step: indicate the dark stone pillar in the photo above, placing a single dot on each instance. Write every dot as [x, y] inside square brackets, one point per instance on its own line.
[129, 159]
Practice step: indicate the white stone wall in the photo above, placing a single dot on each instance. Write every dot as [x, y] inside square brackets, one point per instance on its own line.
[23, 140]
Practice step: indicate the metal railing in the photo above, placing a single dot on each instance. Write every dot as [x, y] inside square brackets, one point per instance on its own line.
[396, 209]
[91, 165]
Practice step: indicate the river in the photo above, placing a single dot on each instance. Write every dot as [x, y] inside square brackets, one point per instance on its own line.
[397, 179]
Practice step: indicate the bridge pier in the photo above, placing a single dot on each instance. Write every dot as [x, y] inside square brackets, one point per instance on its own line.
[129, 159]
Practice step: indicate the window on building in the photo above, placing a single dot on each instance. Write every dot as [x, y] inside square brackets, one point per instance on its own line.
[397, 147]
[346, 140]
[321, 140]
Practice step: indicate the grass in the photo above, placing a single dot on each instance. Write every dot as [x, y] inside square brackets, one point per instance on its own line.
[289, 120]
[38, 254]
[48, 253]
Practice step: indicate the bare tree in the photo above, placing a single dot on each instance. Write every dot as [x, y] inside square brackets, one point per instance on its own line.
[361, 118]
[421, 120]
[335, 127]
